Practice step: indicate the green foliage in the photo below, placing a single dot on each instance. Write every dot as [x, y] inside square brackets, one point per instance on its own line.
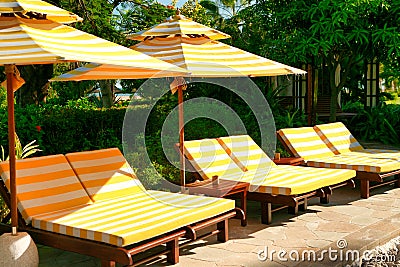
[381, 124]
[204, 12]
[141, 15]
[291, 119]
[323, 33]
[353, 107]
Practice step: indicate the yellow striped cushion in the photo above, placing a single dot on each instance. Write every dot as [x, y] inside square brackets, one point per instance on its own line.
[304, 142]
[133, 218]
[357, 162]
[105, 173]
[245, 152]
[291, 180]
[381, 153]
[45, 184]
[337, 137]
[209, 158]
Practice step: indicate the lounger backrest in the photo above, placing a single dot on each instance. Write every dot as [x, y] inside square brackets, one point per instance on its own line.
[105, 173]
[304, 142]
[45, 184]
[245, 152]
[209, 158]
[337, 137]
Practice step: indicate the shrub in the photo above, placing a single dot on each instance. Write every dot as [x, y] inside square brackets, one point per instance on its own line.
[380, 124]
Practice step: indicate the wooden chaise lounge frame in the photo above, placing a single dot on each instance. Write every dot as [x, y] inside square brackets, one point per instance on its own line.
[365, 177]
[109, 254]
[294, 203]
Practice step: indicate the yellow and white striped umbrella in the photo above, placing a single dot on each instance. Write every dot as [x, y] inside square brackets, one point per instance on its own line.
[179, 25]
[203, 57]
[200, 56]
[27, 41]
[37, 8]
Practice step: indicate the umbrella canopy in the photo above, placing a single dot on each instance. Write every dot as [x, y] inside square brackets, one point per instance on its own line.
[203, 57]
[200, 56]
[179, 25]
[28, 41]
[37, 9]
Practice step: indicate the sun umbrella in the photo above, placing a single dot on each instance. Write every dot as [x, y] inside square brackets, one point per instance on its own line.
[28, 41]
[37, 9]
[179, 25]
[193, 47]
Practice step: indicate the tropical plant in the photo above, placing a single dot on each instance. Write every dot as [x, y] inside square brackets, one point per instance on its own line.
[21, 152]
[379, 124]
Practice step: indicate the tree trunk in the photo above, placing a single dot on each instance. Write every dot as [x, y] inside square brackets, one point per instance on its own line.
[36, 84]
[333, 104]
[106, 88]
[334, 93]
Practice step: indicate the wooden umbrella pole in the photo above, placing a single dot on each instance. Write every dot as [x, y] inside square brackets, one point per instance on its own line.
[11, 144]
[181, 138]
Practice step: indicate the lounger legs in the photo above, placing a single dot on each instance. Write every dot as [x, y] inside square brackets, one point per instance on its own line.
[173, 255]
[397, 177]
[304, 205]
[364, 188]
[266, 212]
[293, 210]
[324, 200]
[223, 228]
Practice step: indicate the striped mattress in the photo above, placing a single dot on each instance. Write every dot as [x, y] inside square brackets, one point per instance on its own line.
[122, 212]
[340, 140]
[256, 168]
[105, 173]
[306, 143]
[132, 218]
[45, 184]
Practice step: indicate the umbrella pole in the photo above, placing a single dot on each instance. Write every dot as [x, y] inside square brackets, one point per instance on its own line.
[11, 144]
[181, 138]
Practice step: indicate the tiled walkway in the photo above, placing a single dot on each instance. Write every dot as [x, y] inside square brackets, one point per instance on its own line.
[357, 224]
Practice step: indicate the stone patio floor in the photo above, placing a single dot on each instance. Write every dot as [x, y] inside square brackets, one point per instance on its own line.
[345, 226]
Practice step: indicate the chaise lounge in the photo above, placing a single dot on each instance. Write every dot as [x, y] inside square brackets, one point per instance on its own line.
[306, 143]
[239, 158]
[92, 203]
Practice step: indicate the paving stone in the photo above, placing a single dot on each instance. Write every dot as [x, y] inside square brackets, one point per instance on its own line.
[187, 261]
[352, 210]
[291, 243]
[317, 243]
[298, 232]
[329, 236]
[338, 227]
[309, 217]
[244, 259]
[254, 241]
[381, 214]
[334, 216]
[237, 247]
[364, 220]
[312, 225]
[270, 234]
[211, 254]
